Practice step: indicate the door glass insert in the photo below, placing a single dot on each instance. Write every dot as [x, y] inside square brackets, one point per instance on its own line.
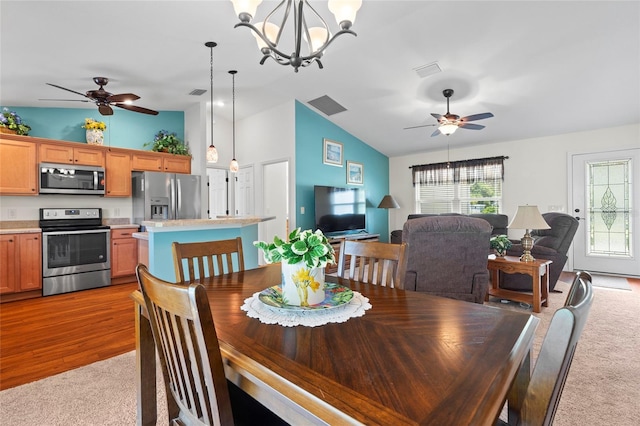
[608, 208]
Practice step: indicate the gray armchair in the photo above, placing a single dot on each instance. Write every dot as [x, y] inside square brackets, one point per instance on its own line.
[550, 244]
[447, 256]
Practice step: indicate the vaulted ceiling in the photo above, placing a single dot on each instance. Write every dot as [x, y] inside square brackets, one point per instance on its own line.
[541, 67]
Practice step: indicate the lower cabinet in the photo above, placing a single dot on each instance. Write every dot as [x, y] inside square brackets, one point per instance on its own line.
[124, 252]
[20, 263]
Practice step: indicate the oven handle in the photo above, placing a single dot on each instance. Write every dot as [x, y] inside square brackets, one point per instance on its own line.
[85, 231]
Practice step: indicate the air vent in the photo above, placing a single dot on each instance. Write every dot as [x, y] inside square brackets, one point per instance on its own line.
[326, 105]
[427, 70]
[197, 92]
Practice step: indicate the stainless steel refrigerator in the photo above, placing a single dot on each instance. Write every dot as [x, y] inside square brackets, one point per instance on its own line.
[165, 196]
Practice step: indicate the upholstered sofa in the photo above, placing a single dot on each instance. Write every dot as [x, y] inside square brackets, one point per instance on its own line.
[447, 256]
[498, 223]
[551, 244]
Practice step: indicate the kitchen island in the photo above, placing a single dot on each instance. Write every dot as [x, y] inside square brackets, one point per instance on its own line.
[159, 234]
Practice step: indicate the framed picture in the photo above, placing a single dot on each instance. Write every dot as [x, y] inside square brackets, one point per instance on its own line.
[332, 153]
[355, 173]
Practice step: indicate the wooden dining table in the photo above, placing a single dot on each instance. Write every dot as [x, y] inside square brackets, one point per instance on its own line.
[412, 358]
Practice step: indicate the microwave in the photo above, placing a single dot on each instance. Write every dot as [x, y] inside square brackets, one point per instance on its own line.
[70, 179]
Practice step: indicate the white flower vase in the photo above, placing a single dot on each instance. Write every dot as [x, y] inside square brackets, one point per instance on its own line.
[95, 137]
[301, 285]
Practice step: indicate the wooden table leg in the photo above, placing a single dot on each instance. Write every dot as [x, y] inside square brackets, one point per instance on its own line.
[145, 370]
[545, 286]
[536, 283]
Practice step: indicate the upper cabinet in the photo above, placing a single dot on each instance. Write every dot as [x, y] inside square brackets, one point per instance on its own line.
[18, 168]
[160, 162]
[20, 156]
[65, 154]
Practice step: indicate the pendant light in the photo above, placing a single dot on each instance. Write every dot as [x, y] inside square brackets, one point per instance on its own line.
[234, 166]
[212, 152]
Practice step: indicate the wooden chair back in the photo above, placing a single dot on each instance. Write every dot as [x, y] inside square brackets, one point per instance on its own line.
[207, 259]
[556, 354]
[373, 262]
[188, 348]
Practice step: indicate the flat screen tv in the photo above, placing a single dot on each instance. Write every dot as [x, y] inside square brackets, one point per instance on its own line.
[340, 210]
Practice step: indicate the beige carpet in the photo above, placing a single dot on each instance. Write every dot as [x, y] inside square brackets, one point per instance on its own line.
[602, 388]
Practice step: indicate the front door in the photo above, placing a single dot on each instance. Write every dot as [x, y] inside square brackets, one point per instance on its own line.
[606, 201]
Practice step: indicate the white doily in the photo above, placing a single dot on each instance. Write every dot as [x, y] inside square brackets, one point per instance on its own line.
[309, 318]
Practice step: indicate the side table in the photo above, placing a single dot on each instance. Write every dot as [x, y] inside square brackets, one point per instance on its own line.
[538, 270]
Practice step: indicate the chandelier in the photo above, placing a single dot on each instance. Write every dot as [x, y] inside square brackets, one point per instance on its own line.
[309, 42]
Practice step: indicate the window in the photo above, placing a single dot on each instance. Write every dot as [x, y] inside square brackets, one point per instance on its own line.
[466, 187]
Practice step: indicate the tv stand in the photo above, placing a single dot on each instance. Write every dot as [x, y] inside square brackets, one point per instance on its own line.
[335, 240]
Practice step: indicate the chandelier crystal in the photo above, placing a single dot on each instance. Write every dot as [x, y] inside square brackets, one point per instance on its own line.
[212, 152]
[309, 43]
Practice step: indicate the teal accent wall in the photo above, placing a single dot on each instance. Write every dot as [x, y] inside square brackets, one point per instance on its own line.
[311, 130]
[125, 129]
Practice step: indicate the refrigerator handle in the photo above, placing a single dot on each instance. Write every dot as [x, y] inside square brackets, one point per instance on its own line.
[174, 196]
[178, 205]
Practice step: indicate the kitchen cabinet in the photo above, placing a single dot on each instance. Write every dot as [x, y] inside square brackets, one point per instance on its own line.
[66, 154]
[20, 262]
[124, 252]
[118, 174]
[159, 162]
[18, 168]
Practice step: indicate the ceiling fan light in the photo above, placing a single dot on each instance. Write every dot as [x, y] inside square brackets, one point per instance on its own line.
[448, 128]
[212, 154]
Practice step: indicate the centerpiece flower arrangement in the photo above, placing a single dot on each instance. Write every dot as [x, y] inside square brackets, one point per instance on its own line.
[12, 121]
[165, 141]
[94, 131]
[303, 257]
[500, 243]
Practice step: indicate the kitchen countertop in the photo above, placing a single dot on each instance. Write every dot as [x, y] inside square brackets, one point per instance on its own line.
[19, 226]
[219, 222]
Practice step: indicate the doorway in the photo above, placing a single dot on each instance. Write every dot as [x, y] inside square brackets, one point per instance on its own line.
[276, 201]
[605, 199]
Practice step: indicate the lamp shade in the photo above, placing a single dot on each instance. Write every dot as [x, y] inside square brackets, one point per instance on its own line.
[528, 217]
[388, 202]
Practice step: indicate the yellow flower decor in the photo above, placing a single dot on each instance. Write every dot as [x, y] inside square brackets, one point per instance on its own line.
[91, 124]
[303, 281]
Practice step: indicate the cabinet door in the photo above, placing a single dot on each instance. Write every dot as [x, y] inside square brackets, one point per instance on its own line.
[147, 162]
[118, 174]
[8, 263]
[88, 156]
[177, 164]
[18, 170]
[30, 248]
[50, 153]
[124, 256]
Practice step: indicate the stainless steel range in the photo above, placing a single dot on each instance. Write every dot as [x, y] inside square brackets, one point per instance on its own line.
[76, 250]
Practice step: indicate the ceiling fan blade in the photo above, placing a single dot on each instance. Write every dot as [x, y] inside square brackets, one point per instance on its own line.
[122, 97]
[475, 117]
[137, 109]
[436, 116]
[471, 126]
[422, 125]
[66, 100]
[436, 133]
[68, 90]
[105, 110]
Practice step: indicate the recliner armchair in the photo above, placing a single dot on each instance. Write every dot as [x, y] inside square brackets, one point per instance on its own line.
[550, 244]
[447, 256]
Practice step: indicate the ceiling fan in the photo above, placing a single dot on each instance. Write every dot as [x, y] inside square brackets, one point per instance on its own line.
[104, 99]
[449, 123]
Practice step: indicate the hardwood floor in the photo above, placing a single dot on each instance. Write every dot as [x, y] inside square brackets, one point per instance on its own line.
[49, 335]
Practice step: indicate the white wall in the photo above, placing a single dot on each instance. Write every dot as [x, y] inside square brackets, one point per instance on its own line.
[535, 173]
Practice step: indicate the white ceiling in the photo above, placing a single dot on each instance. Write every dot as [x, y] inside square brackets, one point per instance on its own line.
[541, 67]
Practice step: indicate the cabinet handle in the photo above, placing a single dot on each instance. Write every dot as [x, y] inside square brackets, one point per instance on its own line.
[10, 241]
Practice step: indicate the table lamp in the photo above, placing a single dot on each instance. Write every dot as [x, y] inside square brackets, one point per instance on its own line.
[527, 218]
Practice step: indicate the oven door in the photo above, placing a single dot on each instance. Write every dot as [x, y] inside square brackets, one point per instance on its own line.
[72, 252]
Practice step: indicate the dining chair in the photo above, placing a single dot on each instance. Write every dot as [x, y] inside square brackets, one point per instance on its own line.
[373, 262]
[550, 373]
[192, 366]
[207, 259]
